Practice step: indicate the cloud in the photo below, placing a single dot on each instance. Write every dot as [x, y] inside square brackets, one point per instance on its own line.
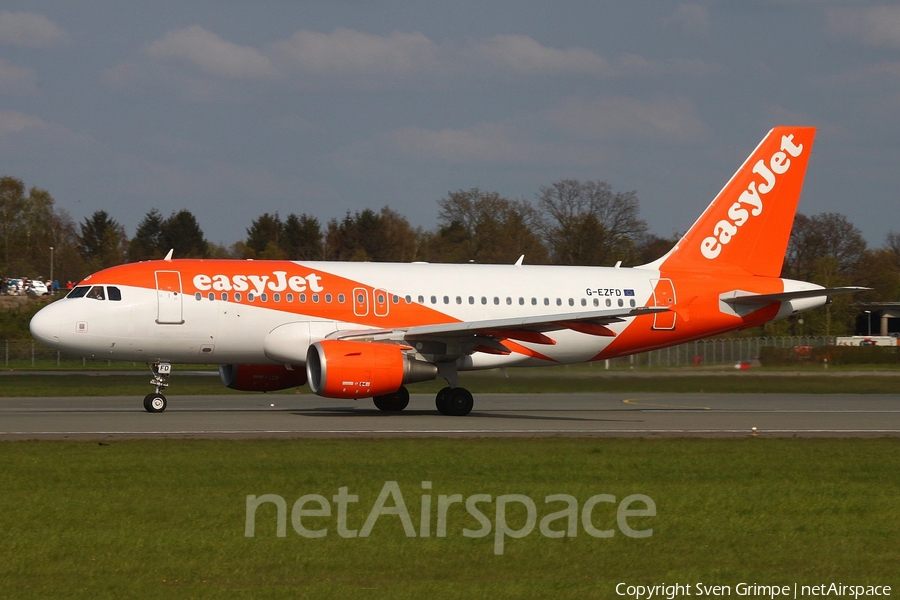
[210, 54]
[522, 54]
[666, 119]
[875, 26]
[486, 143]
[575, 132]
[691, 19]
[217, 69]
[15, 80]
[12, 121]
[30, 30]
[348, 52]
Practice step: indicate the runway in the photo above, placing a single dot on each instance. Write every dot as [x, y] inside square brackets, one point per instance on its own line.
[495, 415]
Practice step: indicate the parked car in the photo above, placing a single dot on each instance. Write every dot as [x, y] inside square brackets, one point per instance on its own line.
[15, 287]
[37, 288]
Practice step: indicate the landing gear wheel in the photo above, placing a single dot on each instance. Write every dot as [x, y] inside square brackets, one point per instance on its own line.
[441, 401]
[393, 402]
[455, 402]
[155, 403]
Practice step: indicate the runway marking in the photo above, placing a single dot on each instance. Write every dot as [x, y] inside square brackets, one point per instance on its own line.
[446, 431]
[634, 402]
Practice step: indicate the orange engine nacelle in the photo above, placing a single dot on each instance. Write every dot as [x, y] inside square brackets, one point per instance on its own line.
[343, 369]
[261, 378]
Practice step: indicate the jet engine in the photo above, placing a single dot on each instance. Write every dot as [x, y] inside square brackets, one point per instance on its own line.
[347, 369]
[262, 378]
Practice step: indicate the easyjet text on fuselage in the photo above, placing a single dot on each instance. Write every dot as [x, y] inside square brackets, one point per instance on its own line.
[278, 281]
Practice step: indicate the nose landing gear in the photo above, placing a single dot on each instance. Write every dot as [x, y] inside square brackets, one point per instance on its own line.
[156, 402]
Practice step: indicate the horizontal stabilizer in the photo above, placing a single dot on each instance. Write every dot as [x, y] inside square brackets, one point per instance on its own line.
[740, 297]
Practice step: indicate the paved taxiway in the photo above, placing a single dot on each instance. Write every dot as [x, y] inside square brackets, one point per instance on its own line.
[594, 414]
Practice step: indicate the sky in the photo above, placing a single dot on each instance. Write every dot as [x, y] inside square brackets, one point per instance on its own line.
[234, 109]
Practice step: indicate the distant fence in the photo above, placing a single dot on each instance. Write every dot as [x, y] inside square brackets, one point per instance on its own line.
[29, 353]
[717, 351]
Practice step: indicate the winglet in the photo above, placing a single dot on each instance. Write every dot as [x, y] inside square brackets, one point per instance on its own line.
[168, 257]
[520, 261]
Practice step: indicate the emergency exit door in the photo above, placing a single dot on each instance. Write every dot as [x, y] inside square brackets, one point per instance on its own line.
[664, 295]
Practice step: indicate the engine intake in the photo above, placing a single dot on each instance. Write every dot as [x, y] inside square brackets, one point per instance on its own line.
[346, 369]
[261, 378]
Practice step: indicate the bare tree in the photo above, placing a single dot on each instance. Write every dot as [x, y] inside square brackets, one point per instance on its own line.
[586, 223]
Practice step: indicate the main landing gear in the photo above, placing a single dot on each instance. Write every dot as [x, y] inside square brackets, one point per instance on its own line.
[393, 402]
[452, 401]
[156, 402]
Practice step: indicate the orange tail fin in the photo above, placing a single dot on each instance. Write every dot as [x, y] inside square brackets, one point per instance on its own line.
[748, 225]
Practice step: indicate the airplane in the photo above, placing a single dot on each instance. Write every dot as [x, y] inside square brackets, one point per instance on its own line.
[360, 330]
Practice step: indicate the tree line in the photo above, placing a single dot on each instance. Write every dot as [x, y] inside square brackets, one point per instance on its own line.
[571, 222]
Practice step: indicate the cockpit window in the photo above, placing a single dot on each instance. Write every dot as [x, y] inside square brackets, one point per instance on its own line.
[114, 293]
[78, 292]
[97, 293]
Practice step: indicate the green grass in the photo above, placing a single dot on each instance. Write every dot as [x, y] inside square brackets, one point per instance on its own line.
[166, 518]
[538, 380]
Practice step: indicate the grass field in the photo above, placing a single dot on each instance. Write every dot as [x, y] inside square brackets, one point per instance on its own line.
[167, 518]
[535, 380]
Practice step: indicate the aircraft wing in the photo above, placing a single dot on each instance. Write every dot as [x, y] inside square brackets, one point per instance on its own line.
[528, 329]
[739, 297]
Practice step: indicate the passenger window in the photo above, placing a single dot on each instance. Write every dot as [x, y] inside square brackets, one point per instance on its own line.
[97, 293]
[484, 300]
[631, 302]
[583, 302]
[198, 296]
[211, 295]
[471, 299]
[459, 299]
[421, 299]
[276, 297]
[446, 299]
[508, 300]
[237, 296]
[290, 298]
[341, 298]
[596, 302]
[571, 302]
[521, 301]
[546, 301]
[395, 299]
[621, 303]
[302, 297]
[224, 296]
[315, 297]
[328, 298]
[250, 296]
[114, 293]
[608, 302]
[496, 300]
[434, 299]
[534, 301]
[559, 301]
[264, 297]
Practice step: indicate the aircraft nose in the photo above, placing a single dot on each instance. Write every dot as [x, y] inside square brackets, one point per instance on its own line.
[45, 326]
